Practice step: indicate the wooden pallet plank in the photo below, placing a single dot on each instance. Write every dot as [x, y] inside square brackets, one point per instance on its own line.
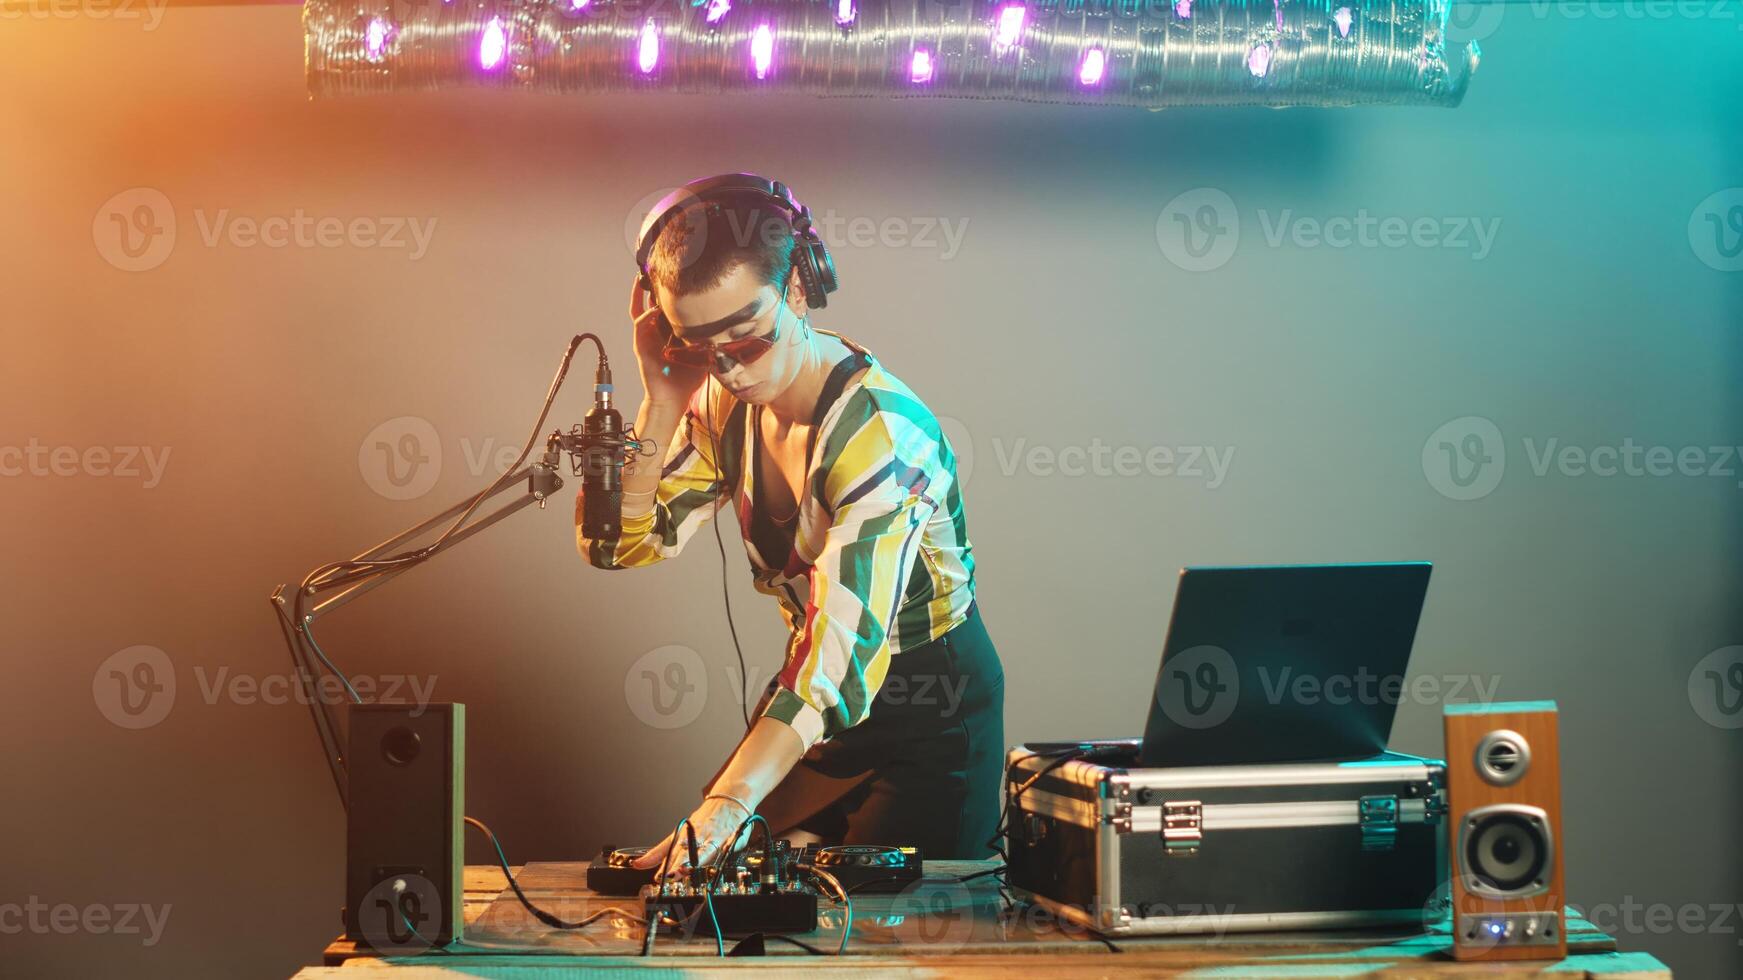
[889, 936]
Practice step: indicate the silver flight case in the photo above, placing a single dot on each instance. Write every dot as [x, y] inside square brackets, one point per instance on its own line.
[1211, 849]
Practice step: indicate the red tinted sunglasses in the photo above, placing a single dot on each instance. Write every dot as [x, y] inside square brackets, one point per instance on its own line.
[745, 350]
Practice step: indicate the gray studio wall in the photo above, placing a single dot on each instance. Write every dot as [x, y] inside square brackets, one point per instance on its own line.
[1059, 320]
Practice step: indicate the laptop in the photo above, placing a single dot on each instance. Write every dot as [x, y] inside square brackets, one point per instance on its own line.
[1283, 663]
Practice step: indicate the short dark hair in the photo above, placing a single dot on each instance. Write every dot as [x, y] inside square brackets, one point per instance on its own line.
[700, 245]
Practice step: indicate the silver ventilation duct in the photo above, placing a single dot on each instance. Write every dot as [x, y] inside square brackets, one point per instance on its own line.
[1150, 53]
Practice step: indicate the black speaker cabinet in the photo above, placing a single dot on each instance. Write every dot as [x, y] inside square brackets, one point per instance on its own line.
[406, 772]
[1504, 802]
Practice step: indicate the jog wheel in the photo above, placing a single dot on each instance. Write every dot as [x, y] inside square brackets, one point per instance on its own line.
[623, 856]
[859, 856]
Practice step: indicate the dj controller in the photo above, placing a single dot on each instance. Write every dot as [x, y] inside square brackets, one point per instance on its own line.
[771, 889]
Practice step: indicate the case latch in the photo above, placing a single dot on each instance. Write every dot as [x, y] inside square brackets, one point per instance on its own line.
[1182, 827]
[1121, 817]
[1379, 819]
[1433, 805]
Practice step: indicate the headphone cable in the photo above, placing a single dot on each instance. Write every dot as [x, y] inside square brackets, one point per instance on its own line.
[719, 543]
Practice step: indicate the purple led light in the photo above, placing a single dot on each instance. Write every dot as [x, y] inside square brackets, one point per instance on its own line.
[647, 53]
[493, 46]
[1343, 19]
[1278, 6]
[716, 10]
[1094, 65]
[578, 4]
[1010, 26]
[1259, 59]
[920, 69]
[375, 39]
[1183, 9]
[845, 12]
[762, 50]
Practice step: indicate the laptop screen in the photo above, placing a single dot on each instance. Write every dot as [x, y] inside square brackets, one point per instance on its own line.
[1283, 663]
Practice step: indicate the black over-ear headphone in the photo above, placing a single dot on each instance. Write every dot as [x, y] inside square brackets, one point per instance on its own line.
[810, 256]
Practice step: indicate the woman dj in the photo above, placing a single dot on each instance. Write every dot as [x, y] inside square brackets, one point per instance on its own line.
[885, 723]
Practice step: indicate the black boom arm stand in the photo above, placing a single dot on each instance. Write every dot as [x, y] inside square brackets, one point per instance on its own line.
[333, 585]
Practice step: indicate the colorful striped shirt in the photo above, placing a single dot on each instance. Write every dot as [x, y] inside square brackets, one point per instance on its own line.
[879, 563]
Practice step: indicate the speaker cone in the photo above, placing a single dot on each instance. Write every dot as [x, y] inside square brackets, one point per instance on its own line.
[1506, 850]
[401, 745]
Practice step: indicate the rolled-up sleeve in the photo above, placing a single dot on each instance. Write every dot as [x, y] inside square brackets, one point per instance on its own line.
[692, 487]
[878, 489]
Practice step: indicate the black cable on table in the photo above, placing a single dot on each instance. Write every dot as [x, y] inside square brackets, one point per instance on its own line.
[538, 913]
[807, 947]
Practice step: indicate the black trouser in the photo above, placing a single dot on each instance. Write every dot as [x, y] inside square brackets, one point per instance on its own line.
[923, 768]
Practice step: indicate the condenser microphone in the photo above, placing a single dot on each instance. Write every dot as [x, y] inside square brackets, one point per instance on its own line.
[602, 445]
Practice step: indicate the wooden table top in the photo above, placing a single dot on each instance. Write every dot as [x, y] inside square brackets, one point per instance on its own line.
[897, 934]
